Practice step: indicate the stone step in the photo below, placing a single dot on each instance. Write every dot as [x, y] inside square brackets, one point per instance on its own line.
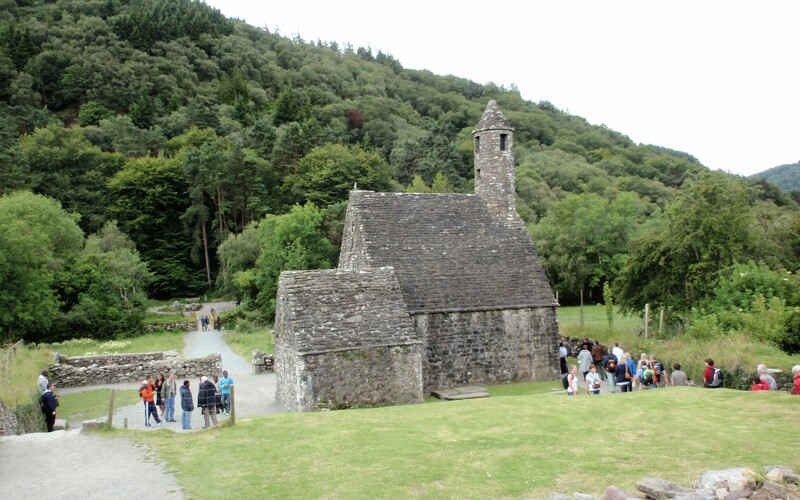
[60, 424]
[458, 393]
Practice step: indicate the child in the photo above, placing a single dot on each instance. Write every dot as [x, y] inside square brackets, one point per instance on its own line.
[758, 385]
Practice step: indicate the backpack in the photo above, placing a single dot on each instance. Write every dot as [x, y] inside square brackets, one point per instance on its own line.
[565, 381]
[612, 365]
[657, 369]
[141, 388]
[647, 376]
[716, 380]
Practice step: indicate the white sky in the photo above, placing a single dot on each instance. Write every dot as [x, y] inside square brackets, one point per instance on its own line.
[718, 79]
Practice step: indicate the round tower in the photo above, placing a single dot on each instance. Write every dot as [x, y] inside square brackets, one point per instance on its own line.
[493, 145]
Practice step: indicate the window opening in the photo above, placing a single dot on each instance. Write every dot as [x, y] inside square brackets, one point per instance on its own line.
[503, 142]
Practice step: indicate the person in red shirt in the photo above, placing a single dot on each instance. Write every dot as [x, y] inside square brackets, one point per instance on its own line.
[147, 391]
[796, 375]
[758, 384]
[708, 373]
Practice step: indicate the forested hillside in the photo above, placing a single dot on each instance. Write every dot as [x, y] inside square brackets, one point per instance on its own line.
[226, 152]
[786, 177]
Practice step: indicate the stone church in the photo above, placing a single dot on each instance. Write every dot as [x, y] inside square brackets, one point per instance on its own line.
[432, 291]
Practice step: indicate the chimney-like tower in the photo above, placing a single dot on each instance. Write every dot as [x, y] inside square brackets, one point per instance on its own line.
[493, 144]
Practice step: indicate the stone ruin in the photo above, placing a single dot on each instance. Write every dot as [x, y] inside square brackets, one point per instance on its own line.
[447, 286]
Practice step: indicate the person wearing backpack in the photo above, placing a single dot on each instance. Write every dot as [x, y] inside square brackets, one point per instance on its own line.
[659, 375]
[648, 377]
[622, 376]
[570, 381]
[610, 366]
[712, 376]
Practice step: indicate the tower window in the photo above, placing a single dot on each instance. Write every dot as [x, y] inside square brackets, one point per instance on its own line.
[503, 142]
[478, 173]
[477, 143]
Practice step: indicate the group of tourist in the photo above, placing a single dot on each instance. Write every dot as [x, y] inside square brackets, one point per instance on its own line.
[208, 323]
[212, 397]
[624, 374]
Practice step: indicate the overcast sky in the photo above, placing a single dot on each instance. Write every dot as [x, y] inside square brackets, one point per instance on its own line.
[717, 79]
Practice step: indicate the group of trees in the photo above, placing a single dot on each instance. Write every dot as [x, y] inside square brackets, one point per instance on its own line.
[226, 154]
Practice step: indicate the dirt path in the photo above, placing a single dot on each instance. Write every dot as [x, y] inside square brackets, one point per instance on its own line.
[70, 464]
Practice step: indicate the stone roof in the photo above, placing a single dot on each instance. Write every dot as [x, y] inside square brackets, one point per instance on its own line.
[338, 310]
[492, 119]
[448, 252]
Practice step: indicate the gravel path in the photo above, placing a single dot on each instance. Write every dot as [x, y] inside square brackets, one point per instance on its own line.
[71, 464]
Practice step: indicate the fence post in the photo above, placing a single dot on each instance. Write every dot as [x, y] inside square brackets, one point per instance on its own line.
[661, 320]
[111, 410]
[646, 319]
[233, 406]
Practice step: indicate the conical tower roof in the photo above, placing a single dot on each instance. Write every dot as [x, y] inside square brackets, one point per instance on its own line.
[492, 119]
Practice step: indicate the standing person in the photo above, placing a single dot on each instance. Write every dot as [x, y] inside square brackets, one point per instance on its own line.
[187, 405]
[206, 396]
[584, 360]
[218, 323]
[610, 366]
[49, 403]
[148, 393]
[659, 375]
[622, 377]
[640, 374]
[170, 390]
[631, 369]
[225, 384]
[562, 357]
[678, 377]
[796, 376]
[42, 381]
[597, 356]
[572, 381]
[593, 381]
[617, 351]
[203, 322]
[766, 377]
[160, 392]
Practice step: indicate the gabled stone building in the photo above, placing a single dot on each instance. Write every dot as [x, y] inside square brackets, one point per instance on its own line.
[472, 289]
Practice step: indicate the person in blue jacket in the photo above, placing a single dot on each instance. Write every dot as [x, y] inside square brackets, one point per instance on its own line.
[225, 384]
[49, 404]
[187, 405]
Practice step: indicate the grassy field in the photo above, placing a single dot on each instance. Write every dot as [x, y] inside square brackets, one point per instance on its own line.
[153, 318]
[513, 446]
[92, 404]
[244, 342]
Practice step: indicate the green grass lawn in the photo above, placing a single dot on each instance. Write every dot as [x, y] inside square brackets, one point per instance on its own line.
[153, 318]
[244, 342]
[513, 446]
[92, 404]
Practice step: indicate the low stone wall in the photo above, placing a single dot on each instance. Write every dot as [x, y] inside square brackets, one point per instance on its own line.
[262, 362]
[76, 372]
[184, 326]
[8, 421]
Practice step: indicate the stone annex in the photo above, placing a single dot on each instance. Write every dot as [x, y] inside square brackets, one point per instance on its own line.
[432, 291]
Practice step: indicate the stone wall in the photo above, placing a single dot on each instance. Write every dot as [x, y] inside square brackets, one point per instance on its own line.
[183, 326]
[365, 377]
[129, 368]
[8, 421]
[263, 362]
[488, 347]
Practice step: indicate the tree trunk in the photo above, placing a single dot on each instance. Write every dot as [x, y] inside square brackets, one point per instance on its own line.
[581, 306]
[205, 252]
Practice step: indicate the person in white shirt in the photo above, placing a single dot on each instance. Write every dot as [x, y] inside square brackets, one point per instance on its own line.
[617, 351]
[593, 381]
[42, 382]
[572, 381]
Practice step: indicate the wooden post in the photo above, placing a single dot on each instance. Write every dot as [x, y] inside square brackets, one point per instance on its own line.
[111, 410]
[233, 406]
[581, 306]
[125, 423]
[661, 320]
[646, 318]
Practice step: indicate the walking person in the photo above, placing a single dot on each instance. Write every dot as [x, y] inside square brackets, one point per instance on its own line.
[610, 366]
[170, 391]
[622, 376]
[42, 381]
[597, 356]
[148, 394]
[49, 403]
[206, 399]
[562, 357]
[584, 360]
[225, 384]
[187, 405]
[572, 381]
[593, 381]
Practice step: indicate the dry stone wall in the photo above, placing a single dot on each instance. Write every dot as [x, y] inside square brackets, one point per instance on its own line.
[263, 362]
[183, 326]
[76, 371]
[488, 347]
[8, 421]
